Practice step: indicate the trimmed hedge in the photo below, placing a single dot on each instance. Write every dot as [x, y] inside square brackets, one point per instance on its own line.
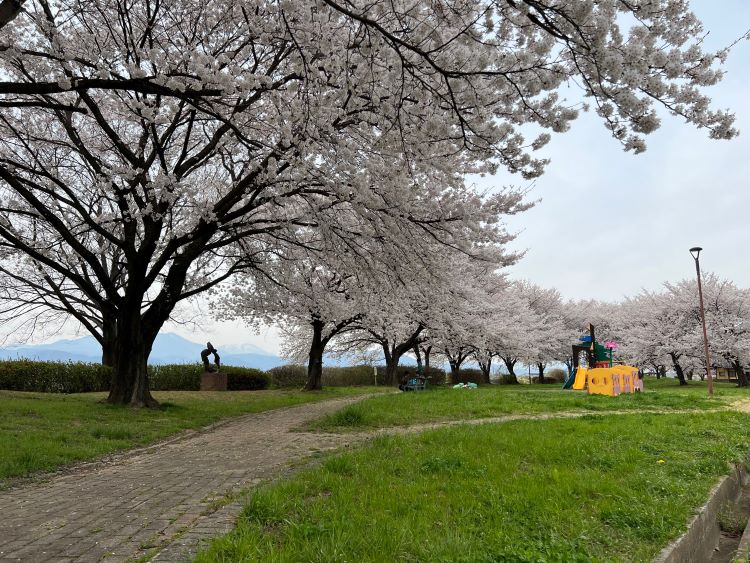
[351, 375]
[468, 375]
[175, 377]
[246, 379]
[289, 375]
[437, 376]
[295, 375]
[557, 375]
[54, 377]
[77, 377]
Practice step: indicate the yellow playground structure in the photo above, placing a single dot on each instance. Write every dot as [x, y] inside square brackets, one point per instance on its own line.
[607, 381]
[603, 378]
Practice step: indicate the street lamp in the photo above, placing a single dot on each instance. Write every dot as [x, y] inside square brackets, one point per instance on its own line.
[695, 252]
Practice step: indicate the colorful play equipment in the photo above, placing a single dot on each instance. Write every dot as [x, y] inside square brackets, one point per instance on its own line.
[593, 369]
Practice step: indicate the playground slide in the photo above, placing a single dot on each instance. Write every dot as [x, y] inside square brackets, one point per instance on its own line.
[569, 381]
[580, 382]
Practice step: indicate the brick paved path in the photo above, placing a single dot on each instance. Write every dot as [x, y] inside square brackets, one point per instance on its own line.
[148, 500]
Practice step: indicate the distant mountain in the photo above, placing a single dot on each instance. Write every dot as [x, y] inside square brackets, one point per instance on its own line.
[169, 348]
[250, 360]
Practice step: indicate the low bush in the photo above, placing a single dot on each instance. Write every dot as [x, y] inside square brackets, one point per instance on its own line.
[556, 375]
[175, 377]
[53, 377]
[350, 375]
[293, 375]
[78, 377]
[289, 375]
[246, 379]
[507, 379]
[468, 376]
[436, 376]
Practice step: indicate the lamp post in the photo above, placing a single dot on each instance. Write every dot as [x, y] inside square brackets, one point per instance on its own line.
[695, 252]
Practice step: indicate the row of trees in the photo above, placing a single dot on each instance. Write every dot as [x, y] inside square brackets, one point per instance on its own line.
[150, 151]
[482, 317]
[663, 329]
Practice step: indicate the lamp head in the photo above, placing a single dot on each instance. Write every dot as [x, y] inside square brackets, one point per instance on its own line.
[695, 251]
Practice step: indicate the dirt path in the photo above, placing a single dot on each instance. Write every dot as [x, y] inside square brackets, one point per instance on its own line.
[160, 502]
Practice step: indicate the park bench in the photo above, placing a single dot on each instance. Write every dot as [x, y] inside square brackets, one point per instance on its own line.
[416, 383]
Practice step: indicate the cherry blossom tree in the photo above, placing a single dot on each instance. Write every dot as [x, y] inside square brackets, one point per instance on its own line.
[660, 327]
[503, 315]
[176, 133]
[308, 295]
[467, 312]
[728, 316]
[523, 329]
[727, 320]
[546, 332]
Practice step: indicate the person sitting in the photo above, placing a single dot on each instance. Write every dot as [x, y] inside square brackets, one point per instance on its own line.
[403, 381]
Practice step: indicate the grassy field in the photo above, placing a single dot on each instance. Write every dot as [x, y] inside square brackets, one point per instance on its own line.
[461, 404]
[596, 488]
[40, 432]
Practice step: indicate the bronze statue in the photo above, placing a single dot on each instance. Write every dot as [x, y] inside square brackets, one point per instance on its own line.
[204, 356]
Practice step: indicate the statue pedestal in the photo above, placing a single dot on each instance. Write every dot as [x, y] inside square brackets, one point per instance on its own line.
[213, 381]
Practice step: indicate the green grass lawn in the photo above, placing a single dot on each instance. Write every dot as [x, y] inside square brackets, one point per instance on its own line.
[596, 488]
[496, 400]
[41, 431]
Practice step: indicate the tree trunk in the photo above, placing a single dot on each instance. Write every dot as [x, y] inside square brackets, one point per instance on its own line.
[541, 367]
[510, 363]
[678, 369]
[456, 361]
[689, 374]
[391, 372]
[486, 368]
[426, 352]
[418, 355]
[742, 379]
[391, 365]
[109, 341]
[130, 374]
[315, 358]
[455, 371]
[393, 353]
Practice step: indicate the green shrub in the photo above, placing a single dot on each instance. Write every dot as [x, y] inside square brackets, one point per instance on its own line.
[556, 375]
[437, 376]
[187, 377]
[294, 375]
[175, 377]
[468, 376]
[246, 379]
[54, 377]
[507, 379]
[76, 377]
[350, 375]
[289, 375]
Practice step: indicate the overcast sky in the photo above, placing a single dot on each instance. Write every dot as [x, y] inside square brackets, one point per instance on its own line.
[611, 223]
